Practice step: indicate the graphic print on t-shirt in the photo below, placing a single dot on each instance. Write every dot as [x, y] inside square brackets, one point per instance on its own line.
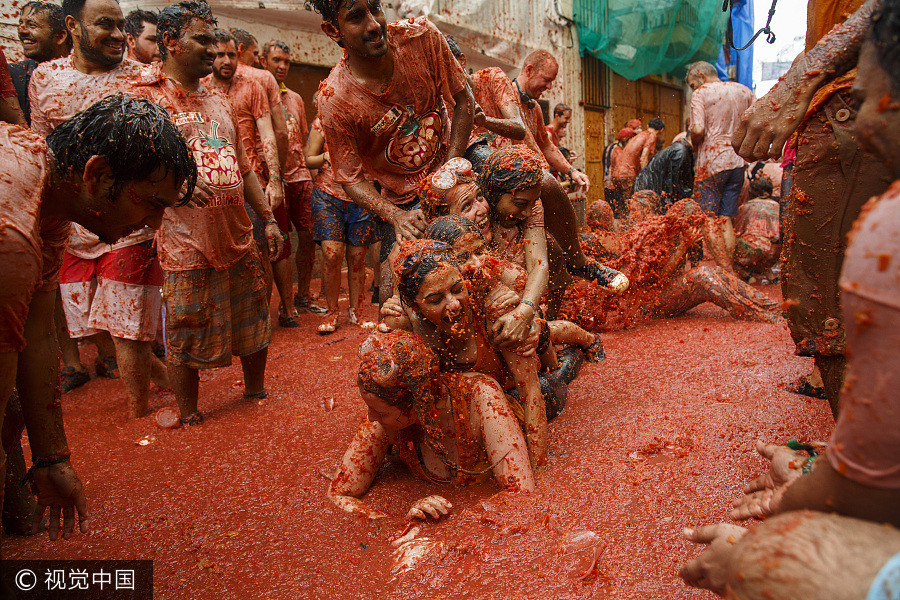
[215, 156]
[417, 140]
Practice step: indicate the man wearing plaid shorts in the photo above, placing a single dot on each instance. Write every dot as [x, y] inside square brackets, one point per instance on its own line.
[213, 282]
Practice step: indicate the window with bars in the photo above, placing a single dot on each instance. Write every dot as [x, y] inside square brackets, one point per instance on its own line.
[595, 83]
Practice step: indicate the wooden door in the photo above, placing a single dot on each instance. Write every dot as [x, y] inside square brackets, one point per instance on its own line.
[594, 143]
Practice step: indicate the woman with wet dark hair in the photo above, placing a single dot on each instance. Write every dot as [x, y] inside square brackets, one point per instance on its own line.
[439, 307]
[450, 428]
[510, 181]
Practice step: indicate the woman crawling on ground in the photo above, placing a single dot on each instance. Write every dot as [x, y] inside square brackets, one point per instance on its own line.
[454, 321]
[452, 428]
[652, 256]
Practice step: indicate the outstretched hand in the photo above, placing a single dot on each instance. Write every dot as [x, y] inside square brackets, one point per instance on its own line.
[762, 496]
[59, 492]
[436, 506]
[582, 180]
[713, 569]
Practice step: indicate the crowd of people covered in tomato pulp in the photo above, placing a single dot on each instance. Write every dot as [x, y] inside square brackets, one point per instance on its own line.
[148, 202]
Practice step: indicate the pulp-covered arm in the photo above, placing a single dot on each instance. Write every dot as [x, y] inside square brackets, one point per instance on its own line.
[558, 161]
[255, 197]
[826, 490]
[513, 327]
[358, 469]
[315, 152]
[796, 555]
[279, 126]
[502, 436]
[275, 187]
[58, 487]
[461, 123]
[772, 119]
[409, 225]
[524, 372]
[509, 126]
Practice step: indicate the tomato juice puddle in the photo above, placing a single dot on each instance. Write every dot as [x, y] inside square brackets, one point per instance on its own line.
[658, 437]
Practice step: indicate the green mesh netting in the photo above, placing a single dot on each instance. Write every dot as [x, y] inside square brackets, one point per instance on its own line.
[648, 37]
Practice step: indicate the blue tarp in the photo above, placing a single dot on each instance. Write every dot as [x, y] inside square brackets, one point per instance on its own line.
[742, 26]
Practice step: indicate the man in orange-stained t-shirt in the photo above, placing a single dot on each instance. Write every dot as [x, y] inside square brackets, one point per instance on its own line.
[383, 112]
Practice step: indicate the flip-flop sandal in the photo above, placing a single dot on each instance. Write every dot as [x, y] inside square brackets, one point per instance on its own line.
[260, 395]
[70, 379]
[802, 387]
[594, 352]
[328, 327]
[191, 420]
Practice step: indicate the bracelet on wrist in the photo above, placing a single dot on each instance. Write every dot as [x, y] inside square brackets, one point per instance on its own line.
[277, 178]
[46, 461]
[813, 455]
[531, 304]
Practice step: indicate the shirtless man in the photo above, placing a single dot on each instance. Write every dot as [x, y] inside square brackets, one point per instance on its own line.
[206, 250]
[383, 112]
[112, 173]
[140, 35]
[107, 290]
[635, 156]
[562, 115]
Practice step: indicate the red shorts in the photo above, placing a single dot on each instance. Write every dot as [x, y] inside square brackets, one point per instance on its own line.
[118, 292]
[298, 201]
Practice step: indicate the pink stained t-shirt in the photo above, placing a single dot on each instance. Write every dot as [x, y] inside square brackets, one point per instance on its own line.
[57, 92]
[865, 443]
[298, 131]
[399, 136]
[217, 235]
[718, 106]
[249, 103]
